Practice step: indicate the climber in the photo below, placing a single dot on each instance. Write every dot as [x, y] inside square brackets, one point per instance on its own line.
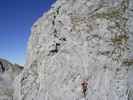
[84, 87]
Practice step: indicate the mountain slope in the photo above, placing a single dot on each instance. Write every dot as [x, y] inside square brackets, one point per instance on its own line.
[8, 73]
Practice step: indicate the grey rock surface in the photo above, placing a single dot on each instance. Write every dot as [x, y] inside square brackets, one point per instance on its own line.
[130, 27]
[75, 41]
[8, 73]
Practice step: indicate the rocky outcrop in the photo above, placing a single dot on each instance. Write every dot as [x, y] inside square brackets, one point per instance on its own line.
[8, 73]
[79, 50]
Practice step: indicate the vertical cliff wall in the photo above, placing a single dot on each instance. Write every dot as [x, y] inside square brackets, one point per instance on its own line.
[79, 42]
[130, 28]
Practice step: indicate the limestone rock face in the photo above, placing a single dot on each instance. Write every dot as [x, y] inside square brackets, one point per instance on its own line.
[8, 73]
[75, 41]
[130, 72]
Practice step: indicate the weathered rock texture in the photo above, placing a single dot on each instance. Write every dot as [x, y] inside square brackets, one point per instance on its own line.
[8, 73]
[130, 72]
[80, 40]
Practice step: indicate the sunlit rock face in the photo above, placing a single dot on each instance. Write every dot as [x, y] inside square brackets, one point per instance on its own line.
[75, 41]
[130, 72]
[8, 73]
